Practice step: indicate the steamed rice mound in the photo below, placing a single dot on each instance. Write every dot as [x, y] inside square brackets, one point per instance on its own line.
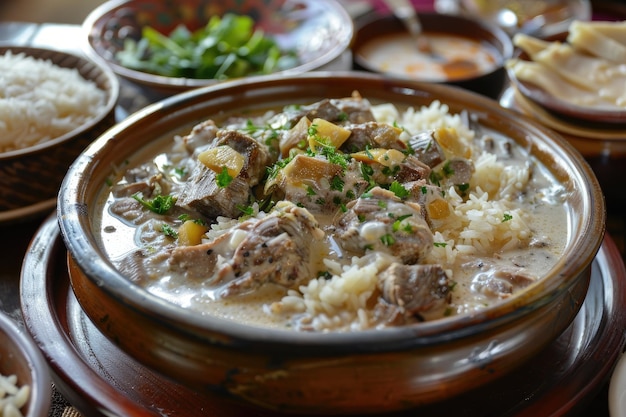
[40, 101]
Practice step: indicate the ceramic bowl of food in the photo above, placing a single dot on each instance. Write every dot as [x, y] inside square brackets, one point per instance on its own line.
[53, 104]
[324, 242]
[24, 375]
[463, 51]
[202, 42]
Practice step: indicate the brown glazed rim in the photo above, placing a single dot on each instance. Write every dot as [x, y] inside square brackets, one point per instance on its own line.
[568, 166]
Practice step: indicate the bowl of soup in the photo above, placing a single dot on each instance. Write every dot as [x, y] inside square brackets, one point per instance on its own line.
[303, 243]
[463, 51]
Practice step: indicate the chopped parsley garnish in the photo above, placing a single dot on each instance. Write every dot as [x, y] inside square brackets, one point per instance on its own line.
[169, 231]
[185, 217]
[399, 190]
[337, 183]
[387, 239]
[246, 210]
[506, 217]
[160, 204]
[440, 244]
[280, 164]
[310, 190]
[398, 222]
[180, 172]
[223, 179]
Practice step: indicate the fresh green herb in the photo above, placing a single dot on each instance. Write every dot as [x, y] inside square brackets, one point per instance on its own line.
[337, 183]
[223, 179]
[387, 239]
[506, 217]
[398, 222]
[463, 187]
[399, 190]
[180, 172]
[186, 217]
[280, 164]
[169, 231]
[440, 244]
[324, 274]
[447, 169]
[160, 204]
[226, 47]
[310, 190]
[246, 210]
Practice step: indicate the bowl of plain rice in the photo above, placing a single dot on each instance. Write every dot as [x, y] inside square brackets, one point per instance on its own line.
[331, 243]
[25, 384]
[52, 104]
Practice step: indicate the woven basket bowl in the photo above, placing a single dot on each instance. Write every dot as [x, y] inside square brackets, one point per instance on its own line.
[31, 176]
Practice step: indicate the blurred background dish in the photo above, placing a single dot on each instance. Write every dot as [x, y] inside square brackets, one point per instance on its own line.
[319, 31]
[573, 74]
[464, 52]
[541, 18]
[20, 358]
[31, 170]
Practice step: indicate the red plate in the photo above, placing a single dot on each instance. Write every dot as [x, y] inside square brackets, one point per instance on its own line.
[99, 379]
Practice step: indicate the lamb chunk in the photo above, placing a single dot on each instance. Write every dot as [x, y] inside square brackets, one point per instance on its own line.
[412, 169]
[357, 109]
[373, 135]
[415, 288]
[380, 221]
[257, 157]
[498, 281]
[346, 110]
[201, 192]
[272, 249]
[201, 135]
[308, 181]
[427, 149]
[457, 171]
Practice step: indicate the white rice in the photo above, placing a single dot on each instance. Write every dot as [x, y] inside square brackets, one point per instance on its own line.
[12, 397]
[40, 101]
[474, 227]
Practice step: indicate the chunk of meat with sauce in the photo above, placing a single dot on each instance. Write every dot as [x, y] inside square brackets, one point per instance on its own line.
[373, 135]
[274, 249]
[495, 281]
[408, 291]
[202, 193]
[382, 222]
[317, 184]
